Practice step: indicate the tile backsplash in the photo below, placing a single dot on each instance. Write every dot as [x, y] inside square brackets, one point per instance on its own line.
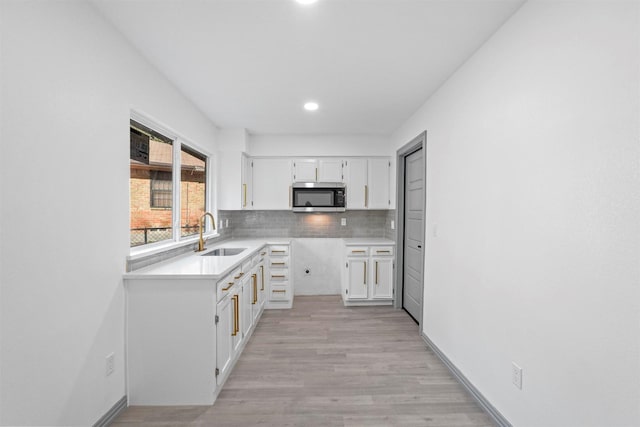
[248, 224]
[374, 223]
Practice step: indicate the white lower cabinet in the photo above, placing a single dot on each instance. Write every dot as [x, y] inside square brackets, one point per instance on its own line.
[279, 275]
[367, 277]
[185, 335]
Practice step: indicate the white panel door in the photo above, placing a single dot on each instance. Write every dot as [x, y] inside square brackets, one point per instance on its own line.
[357, 274]
[356, 182]
[305, 170]
[245, 307]
[330, 170]
[379, 179]
[382, 280]
[224, 336]
[413, 232]
[247, 179]
[271, 184]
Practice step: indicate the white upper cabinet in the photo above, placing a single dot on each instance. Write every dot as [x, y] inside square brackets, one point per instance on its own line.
[330, 170]
[233, 192]
[305, 170]
[379, 178]
[368, 183]
[247, 180]
[356, 181]
[317, 170]
[271, 184]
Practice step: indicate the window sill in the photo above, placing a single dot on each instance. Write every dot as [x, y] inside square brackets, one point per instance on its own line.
[139, 253]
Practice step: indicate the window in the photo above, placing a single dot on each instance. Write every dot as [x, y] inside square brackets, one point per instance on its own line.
[161, 189]
[154, 184]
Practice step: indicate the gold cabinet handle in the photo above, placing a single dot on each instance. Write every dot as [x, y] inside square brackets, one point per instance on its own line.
[277, 276]
[376, 272]
[263, 253]
[277, 252]
[278, 291]
[244, 197]
[262, 274]
[255, 288]
[277, 263]
[358, 252]
[228, 287]
[366, 196]
[383, 252]
[290, 196]
[316, 174]
[365, 272]
[235, 315]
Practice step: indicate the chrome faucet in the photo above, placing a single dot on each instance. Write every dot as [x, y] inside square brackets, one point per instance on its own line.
[201, 241]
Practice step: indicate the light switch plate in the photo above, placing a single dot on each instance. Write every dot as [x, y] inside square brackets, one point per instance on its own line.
[343, 221]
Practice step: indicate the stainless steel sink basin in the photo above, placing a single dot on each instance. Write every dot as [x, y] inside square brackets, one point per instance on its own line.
[224, 252]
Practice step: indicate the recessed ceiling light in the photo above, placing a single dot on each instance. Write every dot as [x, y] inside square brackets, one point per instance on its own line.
[311, 106]
[306, 1]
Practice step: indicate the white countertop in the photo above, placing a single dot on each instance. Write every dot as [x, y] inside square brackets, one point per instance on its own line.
[195, 266]
[364, 241]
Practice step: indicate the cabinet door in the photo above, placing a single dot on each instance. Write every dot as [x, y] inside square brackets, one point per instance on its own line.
[382, 277]
[272, 184]
[357, 278]
[330, 170]
[356, 181]
[245, 308]
[247, 180]
[262, 290]
[255, 295]
[236, 337]
[379, 176]
[224, 336]
[305, 170]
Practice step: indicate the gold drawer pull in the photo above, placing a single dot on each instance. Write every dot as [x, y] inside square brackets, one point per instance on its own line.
[255, 288]
[262, 274]
[358, 252]
[236, 307]
[383, 252]
[278, 276]
[228, 287]
[280, 252]
[263, 253]
[278, 291]
[364, 264]
[277, 263]
[376, 273]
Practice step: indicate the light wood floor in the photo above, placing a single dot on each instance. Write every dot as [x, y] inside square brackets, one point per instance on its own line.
[321, 364]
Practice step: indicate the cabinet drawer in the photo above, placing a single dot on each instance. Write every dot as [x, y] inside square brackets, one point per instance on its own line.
[279, 292]
[279, 275]
[357, 251]
[279, 262]
[224, 286]
[279, 250]
[382, 250]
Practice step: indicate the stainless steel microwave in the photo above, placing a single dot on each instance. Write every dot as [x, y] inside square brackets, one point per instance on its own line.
[319, 197]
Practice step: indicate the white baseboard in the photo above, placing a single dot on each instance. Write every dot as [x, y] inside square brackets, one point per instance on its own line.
[482, 401]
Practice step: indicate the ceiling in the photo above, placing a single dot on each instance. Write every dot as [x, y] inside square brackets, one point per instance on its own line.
[252, 64]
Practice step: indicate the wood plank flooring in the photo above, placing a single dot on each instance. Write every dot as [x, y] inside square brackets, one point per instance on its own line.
[322, 364]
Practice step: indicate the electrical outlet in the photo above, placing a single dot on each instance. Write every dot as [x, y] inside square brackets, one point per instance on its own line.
[226, 222]
[110, 365]
[343, 221]
[393, 225]
[220, 225]
[516, 375]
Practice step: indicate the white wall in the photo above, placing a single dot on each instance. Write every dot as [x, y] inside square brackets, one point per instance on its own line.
[68, 84]
[533, 182]
[323, 257]
[319, 145]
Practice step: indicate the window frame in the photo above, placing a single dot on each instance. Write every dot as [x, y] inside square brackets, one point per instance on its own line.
[178, 141]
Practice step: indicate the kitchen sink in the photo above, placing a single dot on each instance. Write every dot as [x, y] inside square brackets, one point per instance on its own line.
[224, 252]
